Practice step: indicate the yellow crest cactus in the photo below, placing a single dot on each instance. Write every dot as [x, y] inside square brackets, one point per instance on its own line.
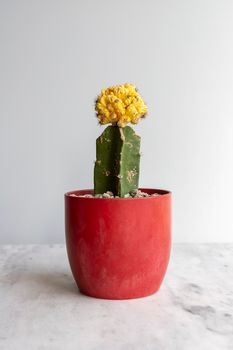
[118, 147]
[120, 104]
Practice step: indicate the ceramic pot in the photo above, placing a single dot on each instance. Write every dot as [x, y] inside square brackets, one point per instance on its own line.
[118, 248]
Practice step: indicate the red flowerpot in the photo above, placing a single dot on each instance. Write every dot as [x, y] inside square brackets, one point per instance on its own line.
[118, 248]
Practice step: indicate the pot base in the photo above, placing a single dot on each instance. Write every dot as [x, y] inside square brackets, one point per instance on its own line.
[117, 297]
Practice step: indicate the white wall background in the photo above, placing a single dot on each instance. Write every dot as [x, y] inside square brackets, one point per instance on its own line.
[57, 55]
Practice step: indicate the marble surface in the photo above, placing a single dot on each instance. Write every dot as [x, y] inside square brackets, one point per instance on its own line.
[41, 308]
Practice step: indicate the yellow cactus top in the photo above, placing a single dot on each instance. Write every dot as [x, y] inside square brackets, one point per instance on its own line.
[120, 104]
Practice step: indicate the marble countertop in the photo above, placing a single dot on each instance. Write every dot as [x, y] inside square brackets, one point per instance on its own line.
[41, 308]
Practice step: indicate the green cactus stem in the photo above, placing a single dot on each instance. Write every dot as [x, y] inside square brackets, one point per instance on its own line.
[117, 161]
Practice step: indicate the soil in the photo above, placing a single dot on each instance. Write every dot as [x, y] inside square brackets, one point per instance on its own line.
[109, 194]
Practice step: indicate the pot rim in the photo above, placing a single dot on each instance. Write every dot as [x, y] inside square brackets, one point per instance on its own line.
[163, 193]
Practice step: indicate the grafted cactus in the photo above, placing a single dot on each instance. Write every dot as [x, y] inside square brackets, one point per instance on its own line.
[118, 147]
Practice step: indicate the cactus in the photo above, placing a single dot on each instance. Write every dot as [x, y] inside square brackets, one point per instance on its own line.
[117, 149]
[117, 161]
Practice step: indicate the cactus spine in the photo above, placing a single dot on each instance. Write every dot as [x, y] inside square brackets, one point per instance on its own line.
[117, 161]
